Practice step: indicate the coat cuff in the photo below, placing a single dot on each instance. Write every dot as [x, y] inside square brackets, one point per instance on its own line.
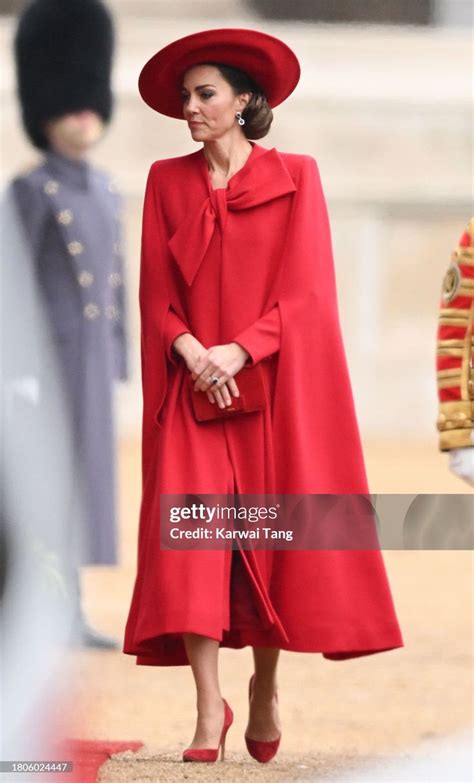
[262, 338]
[455, 424]
[121, 367]
[174, 326]
[456, 439]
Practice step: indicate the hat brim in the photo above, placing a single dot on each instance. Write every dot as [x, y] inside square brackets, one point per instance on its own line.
[267, 60]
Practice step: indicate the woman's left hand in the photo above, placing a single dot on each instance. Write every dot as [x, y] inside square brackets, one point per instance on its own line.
[222, 361]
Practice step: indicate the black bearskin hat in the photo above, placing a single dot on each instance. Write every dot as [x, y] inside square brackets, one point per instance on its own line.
[63, 53]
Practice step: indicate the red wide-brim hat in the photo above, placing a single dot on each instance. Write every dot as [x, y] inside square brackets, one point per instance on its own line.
[267, 60]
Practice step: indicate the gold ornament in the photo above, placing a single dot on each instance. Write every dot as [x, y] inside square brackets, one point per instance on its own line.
[451, 282]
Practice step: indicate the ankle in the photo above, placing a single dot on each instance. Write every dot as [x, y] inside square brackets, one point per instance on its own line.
[264, 689]
[209, 703]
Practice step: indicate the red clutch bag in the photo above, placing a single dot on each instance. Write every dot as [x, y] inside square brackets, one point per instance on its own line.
[251, 397]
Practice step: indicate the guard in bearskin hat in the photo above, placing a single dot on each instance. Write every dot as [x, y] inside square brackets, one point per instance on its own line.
[71, 213]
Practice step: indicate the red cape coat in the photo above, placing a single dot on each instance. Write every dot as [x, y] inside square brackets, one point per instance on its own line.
[252, 263]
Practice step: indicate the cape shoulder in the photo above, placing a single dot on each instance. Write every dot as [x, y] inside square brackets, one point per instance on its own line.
[295, 161]
[183, 165]
[177, 165]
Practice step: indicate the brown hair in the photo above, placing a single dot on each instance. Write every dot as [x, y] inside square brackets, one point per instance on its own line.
[257, 113]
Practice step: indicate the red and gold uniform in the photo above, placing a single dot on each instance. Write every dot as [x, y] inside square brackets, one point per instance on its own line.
[455, 357]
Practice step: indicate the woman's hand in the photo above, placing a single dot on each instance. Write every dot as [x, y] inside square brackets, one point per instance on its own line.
[222, 360]
[189, 348]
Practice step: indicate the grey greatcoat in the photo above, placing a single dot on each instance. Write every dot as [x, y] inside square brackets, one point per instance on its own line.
[71, 214]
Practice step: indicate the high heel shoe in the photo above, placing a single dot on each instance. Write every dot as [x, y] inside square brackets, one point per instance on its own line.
[210, 754]
[261, 750]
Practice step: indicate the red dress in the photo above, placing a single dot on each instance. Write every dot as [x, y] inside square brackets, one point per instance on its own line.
[250, 263]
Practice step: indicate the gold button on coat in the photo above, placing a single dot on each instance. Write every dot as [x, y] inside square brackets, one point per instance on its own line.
[51, 187]
[65, 217]
[115, 279]
[91, 311]
[75, 248]
[85, 279]
[451, 282]
[111, 311]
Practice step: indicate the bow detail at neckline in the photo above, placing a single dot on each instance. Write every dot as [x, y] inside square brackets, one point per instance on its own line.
[261, 179]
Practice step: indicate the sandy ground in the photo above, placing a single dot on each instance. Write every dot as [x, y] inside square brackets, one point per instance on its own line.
[335, 715]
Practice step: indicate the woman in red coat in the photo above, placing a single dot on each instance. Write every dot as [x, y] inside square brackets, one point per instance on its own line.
[237, 272]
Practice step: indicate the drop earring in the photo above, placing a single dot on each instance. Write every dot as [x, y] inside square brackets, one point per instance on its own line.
[240, 118]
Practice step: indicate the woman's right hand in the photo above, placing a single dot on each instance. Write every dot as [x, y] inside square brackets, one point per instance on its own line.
[191, 350]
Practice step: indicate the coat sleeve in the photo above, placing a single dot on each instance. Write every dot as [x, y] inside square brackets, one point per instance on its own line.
[174, 326]
[262, 338]
[33, 211]
[454, 354]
